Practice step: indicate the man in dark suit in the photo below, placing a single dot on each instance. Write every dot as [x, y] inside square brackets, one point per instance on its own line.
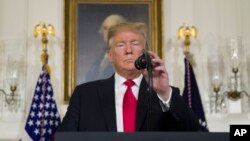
[120, 103]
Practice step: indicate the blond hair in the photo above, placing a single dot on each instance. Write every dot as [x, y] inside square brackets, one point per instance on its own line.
[136, 27]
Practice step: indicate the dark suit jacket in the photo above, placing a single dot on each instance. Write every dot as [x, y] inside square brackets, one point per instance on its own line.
[92, 108]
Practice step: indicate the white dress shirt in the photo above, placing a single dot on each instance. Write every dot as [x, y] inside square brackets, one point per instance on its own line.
[120, 89]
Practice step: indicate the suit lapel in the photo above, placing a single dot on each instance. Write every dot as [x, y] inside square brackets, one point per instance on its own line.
[106, 93]
[142, 105]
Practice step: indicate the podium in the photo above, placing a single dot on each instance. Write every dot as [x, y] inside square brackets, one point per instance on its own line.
[142, 136]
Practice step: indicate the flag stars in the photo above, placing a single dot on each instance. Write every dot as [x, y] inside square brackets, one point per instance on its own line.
[43, 118]
[47, 105]
[39, 80]
[45, 122]
[38, 123]
[36, 131]
[49, 89]
[32, 114]
[34, 106]
[38, 89]
[53, 106]
[49, 131]
[57, 115]
[41, 106]
[30, 122]
[56, 123]
[46, 113]
[39, 114]
[203, 123]
[51, 122]
[36, 97]
[52, 114]
[48, 97]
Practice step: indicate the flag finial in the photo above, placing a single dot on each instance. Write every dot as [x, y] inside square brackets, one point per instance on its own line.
[44, 30]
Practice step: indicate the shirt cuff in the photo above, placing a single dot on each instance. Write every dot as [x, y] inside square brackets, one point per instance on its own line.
[165, 105]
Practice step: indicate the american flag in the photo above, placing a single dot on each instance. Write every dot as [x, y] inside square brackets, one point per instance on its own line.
[192, 97]
[43, 118]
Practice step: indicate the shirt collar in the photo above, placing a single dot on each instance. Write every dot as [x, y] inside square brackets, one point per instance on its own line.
[119, 80]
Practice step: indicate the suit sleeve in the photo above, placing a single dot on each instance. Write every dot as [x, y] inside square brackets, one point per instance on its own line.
[71, 119]
[179, 117]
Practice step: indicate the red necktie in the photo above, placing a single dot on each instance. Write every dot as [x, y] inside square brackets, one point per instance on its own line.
[129, 108]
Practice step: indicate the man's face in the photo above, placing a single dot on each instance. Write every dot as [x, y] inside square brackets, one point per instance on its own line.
[125, 47]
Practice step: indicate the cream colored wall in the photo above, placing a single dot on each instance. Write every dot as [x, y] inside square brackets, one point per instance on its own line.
[215, 20]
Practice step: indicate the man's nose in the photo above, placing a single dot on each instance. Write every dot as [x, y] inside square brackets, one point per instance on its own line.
[128, 48]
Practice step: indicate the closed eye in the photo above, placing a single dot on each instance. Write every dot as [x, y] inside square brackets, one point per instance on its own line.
[135, 43]
[121, 44]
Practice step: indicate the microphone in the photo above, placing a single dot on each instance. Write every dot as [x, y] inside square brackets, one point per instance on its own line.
[142, 62]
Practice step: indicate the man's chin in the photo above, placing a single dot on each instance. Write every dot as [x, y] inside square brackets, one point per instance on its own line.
[133, 69]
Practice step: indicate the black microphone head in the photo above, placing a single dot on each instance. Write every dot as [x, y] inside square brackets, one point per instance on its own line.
[141, 62]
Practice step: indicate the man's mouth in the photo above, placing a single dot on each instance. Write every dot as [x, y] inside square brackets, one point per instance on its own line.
[129, 60]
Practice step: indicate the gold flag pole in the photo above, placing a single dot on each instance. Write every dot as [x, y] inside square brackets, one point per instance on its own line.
[44, 30]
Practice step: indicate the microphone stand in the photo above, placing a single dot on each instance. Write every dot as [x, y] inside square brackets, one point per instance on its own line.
[150, 91]
[144, 62]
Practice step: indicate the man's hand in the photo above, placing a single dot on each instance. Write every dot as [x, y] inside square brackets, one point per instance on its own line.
[160, 76]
